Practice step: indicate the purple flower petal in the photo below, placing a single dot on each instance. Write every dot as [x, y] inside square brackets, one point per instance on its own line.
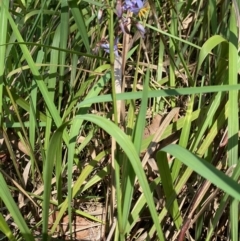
[116, 42]
[139, 3]
[119, 9]
[106, 47]
[133, 6]
[116, 53]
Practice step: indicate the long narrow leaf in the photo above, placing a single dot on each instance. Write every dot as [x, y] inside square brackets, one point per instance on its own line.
[13, 209]
[205, 169]
[161, 93]
[233, 118]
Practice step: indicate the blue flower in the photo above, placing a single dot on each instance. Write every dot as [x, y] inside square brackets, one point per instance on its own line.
[106, 47]
[133, 6]
[119, 9]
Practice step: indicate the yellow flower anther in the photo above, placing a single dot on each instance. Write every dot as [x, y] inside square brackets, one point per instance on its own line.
[143, 11]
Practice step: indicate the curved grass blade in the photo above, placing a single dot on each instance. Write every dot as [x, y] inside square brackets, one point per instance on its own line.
[78, 17]
[13, 209]
[205, 169]
[131, 152]
[5, 229]
[207, 47]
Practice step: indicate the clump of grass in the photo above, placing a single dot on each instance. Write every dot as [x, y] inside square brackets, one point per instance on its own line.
[155, 159]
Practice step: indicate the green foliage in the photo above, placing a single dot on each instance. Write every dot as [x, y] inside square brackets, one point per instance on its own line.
[65, 139]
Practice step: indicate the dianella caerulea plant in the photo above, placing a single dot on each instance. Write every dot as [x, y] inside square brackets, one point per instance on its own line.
[134, 6]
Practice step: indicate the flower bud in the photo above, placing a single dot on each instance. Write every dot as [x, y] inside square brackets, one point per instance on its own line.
[140, 28]
[119, 9]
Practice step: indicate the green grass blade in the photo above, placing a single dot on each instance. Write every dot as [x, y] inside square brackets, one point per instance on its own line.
[52, 83]
[78, 17]
[5, 229]
[205, 169]
[222, 205]
[184, 137]
[207, 48]
[233, 119]
[13, 209]
[3, 36]
[128, 178]
[161, 93]
[64, 34]
[168, 187]
[54, 146]
[41, 85]
[131, 152]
